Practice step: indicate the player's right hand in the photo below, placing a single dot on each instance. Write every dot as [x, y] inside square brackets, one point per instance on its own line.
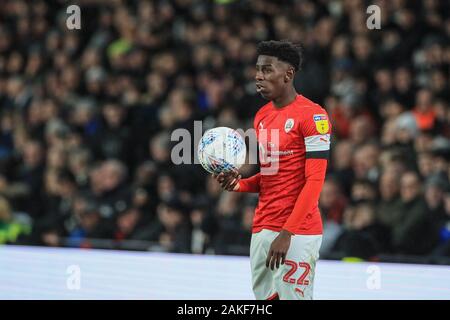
[228, 180]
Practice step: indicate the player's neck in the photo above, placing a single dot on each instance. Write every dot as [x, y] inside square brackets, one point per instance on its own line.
[285, 99]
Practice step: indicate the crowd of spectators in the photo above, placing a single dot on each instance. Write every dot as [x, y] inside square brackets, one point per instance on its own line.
[86, 118]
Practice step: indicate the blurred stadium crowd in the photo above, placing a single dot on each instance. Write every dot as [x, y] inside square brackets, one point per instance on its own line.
[86, 118]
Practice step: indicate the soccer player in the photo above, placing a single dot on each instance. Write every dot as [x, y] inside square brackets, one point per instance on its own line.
[293, 135]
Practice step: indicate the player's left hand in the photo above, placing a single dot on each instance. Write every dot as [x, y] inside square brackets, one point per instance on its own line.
[278, 249]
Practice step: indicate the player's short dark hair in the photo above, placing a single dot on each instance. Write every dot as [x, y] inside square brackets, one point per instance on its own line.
[283, 50]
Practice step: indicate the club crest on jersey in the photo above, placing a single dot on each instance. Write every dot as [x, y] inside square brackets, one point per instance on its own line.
[321, 122]
[288, 125]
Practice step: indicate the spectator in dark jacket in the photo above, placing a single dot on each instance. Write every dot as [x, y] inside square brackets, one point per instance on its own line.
[443, 247]
[234, 238]
[88, 224]
[363, 236]
[113, 140]
[390, 202]
[332, 205]
[31, 174]
[412, 228]
[170, 231]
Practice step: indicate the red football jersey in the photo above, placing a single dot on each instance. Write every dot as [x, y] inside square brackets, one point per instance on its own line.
[287, 136]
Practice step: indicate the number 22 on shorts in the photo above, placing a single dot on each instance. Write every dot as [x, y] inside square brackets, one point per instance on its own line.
[294, 266]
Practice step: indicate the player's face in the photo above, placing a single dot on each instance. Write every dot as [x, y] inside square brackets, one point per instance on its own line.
[271, 77]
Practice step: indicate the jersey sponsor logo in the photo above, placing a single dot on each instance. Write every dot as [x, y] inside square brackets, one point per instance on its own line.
[321, 122]
[270, 153]
[288, 125]
[279, 153]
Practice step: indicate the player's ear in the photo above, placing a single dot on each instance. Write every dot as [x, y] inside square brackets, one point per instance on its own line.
[289, 74]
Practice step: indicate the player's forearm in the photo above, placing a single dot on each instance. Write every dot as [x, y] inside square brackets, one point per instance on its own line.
[309, 196]
[250, 184]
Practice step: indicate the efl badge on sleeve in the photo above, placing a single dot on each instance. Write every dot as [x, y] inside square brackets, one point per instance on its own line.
[288, 125]
[321, 122]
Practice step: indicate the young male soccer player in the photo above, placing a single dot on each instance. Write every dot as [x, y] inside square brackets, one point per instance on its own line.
[294, 138]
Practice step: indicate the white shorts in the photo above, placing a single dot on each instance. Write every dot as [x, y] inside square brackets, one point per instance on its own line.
[292, 281]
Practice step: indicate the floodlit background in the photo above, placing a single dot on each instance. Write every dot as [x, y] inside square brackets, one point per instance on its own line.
[86, 117]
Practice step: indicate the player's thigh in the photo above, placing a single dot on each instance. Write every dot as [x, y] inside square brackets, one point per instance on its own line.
[262, 277]
[295, 279]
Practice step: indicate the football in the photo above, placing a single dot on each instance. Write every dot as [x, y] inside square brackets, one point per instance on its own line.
[221, 149]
